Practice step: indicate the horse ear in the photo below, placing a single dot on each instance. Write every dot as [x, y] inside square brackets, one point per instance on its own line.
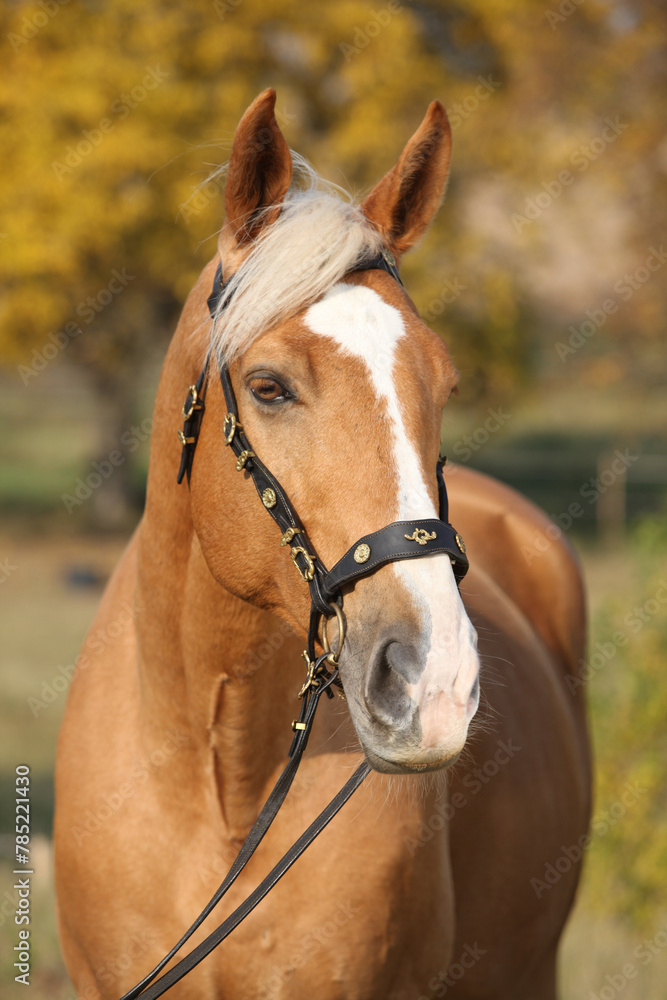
[402, 205]
[259, 173]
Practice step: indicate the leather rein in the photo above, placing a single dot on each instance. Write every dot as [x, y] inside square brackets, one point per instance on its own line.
[399, 540]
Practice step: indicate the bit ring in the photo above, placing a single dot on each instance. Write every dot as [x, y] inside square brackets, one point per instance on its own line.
[334, 655]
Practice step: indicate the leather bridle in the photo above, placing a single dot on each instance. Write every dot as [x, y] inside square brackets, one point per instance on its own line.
[399, 540]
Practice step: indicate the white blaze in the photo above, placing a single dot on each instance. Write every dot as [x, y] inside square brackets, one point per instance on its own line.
[367, 327]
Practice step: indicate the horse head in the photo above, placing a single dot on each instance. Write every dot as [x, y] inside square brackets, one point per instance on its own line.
[340, 389]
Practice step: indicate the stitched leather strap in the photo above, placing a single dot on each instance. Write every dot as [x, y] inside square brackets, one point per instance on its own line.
[400, 540]
[274, 499]
[193, 413]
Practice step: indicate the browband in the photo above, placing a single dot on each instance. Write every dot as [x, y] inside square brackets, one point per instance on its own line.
[384, 261]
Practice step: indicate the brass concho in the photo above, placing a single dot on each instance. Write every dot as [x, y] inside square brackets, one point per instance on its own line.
[362, 553]
[421, 536]
[269, 498]
[461, 544]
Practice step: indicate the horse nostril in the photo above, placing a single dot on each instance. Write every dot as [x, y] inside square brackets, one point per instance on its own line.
[386, 695]
[474, 691]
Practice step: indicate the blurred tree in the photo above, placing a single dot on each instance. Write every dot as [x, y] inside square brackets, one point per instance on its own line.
[114, 113]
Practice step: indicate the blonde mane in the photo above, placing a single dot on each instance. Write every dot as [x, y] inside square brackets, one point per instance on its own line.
[318, 237]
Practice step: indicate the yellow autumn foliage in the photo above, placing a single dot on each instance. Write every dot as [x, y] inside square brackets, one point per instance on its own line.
[113, 114]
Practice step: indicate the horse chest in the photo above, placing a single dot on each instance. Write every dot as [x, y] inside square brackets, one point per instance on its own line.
[358, 916]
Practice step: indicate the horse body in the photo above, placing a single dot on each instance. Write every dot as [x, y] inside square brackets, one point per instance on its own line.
[178, 722]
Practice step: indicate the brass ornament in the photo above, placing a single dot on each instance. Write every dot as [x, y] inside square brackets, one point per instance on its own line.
[421, 536]
[191, 402]
[230, 426]
[269, 498]
[362, 553]
[461, 544]
[243, 458]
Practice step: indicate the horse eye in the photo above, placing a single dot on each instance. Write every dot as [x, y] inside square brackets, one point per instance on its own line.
[267, 390]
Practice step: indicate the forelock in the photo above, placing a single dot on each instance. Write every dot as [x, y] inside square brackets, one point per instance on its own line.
[319, 236]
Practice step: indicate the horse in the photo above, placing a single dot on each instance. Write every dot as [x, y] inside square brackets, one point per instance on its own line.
[454, 867]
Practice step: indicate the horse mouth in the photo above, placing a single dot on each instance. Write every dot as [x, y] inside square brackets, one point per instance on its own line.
[386, 766]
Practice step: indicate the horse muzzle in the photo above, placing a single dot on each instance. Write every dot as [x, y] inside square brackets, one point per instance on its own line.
[411, 709]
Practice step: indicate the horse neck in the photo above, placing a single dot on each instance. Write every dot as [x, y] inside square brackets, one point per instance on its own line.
[208, 662]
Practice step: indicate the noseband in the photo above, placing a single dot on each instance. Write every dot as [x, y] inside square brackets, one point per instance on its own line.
[400, 540]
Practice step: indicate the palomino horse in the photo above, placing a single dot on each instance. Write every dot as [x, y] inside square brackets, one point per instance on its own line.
[174, 733]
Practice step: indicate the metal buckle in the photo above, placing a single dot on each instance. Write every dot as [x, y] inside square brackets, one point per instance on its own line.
[233, 428]
[191, 402]
[307, 574]
[182, 438]
[310, 676]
